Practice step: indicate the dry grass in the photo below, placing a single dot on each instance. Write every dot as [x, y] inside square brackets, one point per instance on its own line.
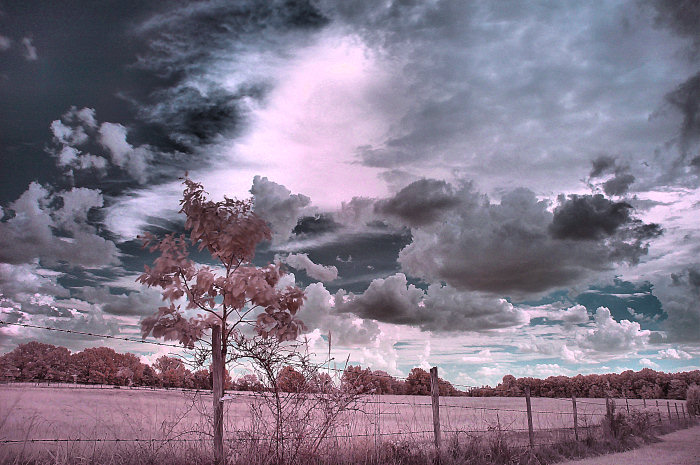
[172, 427]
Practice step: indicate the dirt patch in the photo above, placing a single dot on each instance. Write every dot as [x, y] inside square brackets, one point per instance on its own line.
[677, 448]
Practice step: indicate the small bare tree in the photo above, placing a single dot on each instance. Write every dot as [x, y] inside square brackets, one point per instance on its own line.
[221, 297]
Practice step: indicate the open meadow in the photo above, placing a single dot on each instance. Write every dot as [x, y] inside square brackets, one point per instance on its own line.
[41, 417]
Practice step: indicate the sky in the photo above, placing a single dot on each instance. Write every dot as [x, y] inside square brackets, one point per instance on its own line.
[489, 187]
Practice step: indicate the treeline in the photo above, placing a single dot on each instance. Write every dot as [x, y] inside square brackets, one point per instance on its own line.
[39, 362]
[643, 384]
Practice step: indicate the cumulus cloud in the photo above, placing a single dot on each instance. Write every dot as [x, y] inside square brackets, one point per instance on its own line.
[420, 203]
[318, 312]
[645, 362]
[441, 308]
[278, 206]
[37, 227]
[519, 246]
[143, 302]
[301, 261]
[609, 335]
[78, 131]
[674, 354]
[134, 160]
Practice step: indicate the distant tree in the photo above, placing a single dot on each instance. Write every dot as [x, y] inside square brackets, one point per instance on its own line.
[249, 382]
[359, 380]
[693, 400]
[418, 382]
[290, 380]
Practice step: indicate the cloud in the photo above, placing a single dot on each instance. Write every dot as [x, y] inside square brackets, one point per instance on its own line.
[518, 246]
[609, 335]
[645, 362]
[679, 294]
[683, 18]
[278, 206]
[674, 354]
[588, 217]
[318, 312]
[29, 49]
[5, 43]
[36, 227]
[134, 160]
[441, 308]
[301, 261]
[420, 203]
[78, 129]
[141, 303]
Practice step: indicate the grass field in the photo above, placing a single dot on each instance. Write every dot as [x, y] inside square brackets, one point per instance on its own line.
[29, 412]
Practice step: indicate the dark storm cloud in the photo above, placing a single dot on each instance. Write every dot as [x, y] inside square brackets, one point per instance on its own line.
[601, 165]
[682, 17]
[679, 294]
[619, 185]
[421, 202]
[686, 99]
[140, 303]
[519, 247]
[441, 308]
[189, 45]
[588, 217]
[313, 225]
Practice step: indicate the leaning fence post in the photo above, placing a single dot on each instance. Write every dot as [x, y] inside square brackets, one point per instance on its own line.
[668, 406]
[678, 415]
[529, 417]
[627, 402]
[573, 401]
[435, 395]
[658, 410]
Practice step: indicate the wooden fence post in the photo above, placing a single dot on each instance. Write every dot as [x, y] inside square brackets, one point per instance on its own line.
[573, 401]
[529, 417]
[217, 393]
[628, 404]
[678, 415]
[658, 410]
[435, 395]
[683, 410]
[668, 406]
[644, 399]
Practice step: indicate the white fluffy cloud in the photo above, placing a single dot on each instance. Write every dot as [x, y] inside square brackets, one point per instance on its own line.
[608, 335]
[645, 362]
[134, 160]
[674, 354]
[301, 261]
[78, 128]
[318, 312]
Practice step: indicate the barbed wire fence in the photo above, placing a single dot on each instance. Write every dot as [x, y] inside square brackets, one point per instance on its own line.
[389, 416]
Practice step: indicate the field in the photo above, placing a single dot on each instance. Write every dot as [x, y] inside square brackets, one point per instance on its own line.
[30, 412]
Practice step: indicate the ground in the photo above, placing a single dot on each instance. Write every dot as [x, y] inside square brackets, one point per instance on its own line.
[678, 448]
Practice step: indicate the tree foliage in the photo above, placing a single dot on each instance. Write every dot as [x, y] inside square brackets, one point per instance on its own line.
[224, 295]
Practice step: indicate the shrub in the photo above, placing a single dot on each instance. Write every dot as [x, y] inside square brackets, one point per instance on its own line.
[692, 400]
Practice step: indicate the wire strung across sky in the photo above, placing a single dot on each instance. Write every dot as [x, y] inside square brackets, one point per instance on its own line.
[165, 344]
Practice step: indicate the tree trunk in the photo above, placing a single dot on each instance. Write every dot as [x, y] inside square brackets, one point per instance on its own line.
[217, 371]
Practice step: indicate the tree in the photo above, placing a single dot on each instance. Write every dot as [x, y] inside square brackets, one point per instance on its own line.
[418, 382]
[223, 299]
